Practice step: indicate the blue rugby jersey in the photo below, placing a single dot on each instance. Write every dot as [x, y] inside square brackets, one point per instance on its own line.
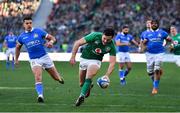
[34, 42]
[11, 41]
[123, 39]
[155, 41]
[143, 34]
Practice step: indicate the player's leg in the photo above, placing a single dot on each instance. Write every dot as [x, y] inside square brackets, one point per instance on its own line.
[122, 73]
[121, 57]
[128, 63]
[7, 59]
[13, 54]
[128, 69]
[157, 73]
[37, 71]
[55, 75]
[48, 65]
[150, 65]
[82, 76]
[92, 70]
[36, 67]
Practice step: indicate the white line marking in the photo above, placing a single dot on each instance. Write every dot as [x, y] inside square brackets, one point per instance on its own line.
[96, 105]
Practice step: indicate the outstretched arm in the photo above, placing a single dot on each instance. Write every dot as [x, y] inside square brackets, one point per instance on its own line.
[77, 44]
[112, 62]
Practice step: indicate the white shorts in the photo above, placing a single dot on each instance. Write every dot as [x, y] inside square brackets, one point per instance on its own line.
[124, 57]
[45, 62]
[154, 61]
[177, 59]
[84, 63]
[10, 51]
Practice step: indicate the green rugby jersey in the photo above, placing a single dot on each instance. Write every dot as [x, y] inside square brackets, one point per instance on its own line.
[176, 42]
[95, 48]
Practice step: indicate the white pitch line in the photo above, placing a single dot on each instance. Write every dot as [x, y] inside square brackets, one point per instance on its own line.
[96, 105]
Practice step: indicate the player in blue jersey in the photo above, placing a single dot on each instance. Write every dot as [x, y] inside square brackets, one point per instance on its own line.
[142, 36]
[10, 45]
[154, 52]
[123, 41]
[34, 40]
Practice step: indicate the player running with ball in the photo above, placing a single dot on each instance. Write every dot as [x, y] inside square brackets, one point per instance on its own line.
[98, 44]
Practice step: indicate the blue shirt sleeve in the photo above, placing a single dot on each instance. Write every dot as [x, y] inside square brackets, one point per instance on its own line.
[131, 37]
[42, 33]
[19, 40]
[117, 38]
[165, 34]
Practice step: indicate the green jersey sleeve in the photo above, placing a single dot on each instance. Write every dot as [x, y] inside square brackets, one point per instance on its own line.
[92, 36]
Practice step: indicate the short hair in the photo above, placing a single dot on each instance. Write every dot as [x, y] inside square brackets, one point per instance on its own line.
[125, 26]
[27, 18]
[109, 31]
[155, 20]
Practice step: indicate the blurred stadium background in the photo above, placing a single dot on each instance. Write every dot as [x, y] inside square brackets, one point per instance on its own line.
[69, 20]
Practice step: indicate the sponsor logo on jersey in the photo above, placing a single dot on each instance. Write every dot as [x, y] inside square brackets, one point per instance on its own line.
[97, 42]
[107, 49]
[98, 50]
[175, 42]
[35, 35]
[159, 35]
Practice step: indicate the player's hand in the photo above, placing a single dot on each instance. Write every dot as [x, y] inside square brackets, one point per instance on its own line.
[72, 61]
[171, 47]
[49, 44]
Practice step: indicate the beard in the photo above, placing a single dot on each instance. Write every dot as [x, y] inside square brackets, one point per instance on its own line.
[125, 33]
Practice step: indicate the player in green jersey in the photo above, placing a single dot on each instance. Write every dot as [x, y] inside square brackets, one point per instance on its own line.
[98, 44]
[175, 46]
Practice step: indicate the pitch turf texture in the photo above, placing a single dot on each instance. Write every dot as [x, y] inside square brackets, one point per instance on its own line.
[17, 91]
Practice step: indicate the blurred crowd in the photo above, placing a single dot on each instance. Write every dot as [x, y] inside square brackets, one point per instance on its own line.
[72, 19]
[12, 12]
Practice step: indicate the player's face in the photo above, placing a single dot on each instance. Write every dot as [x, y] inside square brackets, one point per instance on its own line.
[106, 39]
[148, 24]
[173, 30]
[28, 25]
[154, 25]
[125, 30]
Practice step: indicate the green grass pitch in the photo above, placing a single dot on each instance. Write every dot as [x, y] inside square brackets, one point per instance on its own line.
[17, 91]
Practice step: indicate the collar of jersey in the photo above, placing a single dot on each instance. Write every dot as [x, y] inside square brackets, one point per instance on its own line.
[123, 33]
[155, 30]
[29, 31]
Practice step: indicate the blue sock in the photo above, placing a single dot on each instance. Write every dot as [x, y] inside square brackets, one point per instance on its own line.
[39, 88]
[126, 72]
[121, 73]
[156, 83]
[7, 64]
[12, 64]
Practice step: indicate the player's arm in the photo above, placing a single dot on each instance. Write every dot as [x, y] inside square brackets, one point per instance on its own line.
[51, 40]
[143, 45]
[134, 42]
[119, 43]
[77, 44]
[112, 62]
[17, 53]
